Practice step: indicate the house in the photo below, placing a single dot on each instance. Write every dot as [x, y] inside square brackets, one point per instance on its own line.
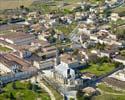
[119, 75]
[103, 33]
[21, 51]
[79, 15]
[48, 48]
[113, 36]
[11, 27]
[87, 75]
[18, 38]
[84, 30]
[70, 61]
[103, 36]
[39, 43]
[105, 53]
[32, 15]
[47, 64]
[59, 36]
[112, 2]
[120, 59]
[24, 53]
[90, 21]
[9, 66]
[94, 37]
[90, 91]
[95, 51]
[114, 16]
[47, 51]
[15, 68]
[112, 52]
[36, 27]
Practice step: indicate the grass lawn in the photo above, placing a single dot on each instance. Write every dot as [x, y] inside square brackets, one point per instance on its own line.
[115, 94]
[4, 49]
[106, 88]
[22, 92]
[109, 97]
[120, 22]
[99, 69]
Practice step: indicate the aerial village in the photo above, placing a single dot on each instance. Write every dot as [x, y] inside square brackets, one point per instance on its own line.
[76, 50]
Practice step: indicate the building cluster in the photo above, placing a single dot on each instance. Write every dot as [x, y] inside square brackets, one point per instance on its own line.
[37, 46]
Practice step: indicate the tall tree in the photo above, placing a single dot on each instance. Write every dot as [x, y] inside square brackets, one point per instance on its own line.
[14, 85]
[12, 96]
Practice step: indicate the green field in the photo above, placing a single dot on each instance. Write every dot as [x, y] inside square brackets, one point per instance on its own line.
[10, 4]
[22, 92]
[109, 93]
[99, 69]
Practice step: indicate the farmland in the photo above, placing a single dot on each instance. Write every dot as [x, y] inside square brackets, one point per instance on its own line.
[8, 4]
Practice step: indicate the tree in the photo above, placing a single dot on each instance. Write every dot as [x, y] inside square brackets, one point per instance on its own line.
[12, 96]
[100, 46]
[81, 96]
[34, 87]
[51, 39]
[107, 12]
[75, 52]
[104, 60]
[120, 33]
[14, 85]
[29, 85]
[22, 7]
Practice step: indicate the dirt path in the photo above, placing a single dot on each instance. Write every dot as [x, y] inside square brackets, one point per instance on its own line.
[42, 85]
[48, 90]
